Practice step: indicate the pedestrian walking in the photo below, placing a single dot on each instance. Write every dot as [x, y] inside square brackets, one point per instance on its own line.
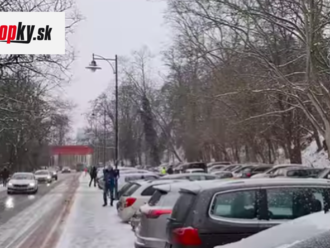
[5, 176]
[93, 174]
[109, 185]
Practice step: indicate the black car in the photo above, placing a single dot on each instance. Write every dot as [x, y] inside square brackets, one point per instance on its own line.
[230, 210]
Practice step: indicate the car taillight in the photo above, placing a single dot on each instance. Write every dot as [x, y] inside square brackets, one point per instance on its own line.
[186, 236]
[154, 214]
[129, 202]
[248, 174]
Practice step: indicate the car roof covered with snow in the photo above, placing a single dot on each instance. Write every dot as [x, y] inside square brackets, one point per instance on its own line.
[156, 182]
[286, 234]
[237, 183]
[288, 165]
[193, 185]
[187, 174]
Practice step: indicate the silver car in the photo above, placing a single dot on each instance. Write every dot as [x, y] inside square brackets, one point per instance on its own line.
[22, 182]
[151, 230]
[43, 176]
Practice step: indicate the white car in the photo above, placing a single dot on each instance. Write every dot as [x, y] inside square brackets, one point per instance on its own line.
[66, 170]
[274, 170]
[22, 182]
[43, 176]
[137, 195]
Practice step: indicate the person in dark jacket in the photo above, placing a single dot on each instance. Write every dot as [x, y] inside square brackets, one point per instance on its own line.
[109, 184]
[5, 176]
[93, 174]
[117, 174]
[170, 170]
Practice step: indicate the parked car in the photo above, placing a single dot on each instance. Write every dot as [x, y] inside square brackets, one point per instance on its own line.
[191, 176]
[209, 165]
[22, 182]
[194, 171]
[195, 165]
[223, 174]
[137, 195]
[296, 172]
[250, 171]
[216, 168]
[43, 176]
[133, 171]
[152, 218]
[246, 170]
[288, 234]
[275, 170]
[230, 210]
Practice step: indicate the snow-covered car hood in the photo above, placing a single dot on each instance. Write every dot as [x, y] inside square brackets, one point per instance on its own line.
[21, 181]
[286, 234]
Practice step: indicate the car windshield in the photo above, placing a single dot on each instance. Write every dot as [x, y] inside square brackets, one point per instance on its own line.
[18, 176]
[41, 173]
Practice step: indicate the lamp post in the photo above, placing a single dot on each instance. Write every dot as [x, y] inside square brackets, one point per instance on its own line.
[94, 67]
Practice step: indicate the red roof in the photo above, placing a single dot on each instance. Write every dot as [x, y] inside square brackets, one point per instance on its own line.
[71, 150]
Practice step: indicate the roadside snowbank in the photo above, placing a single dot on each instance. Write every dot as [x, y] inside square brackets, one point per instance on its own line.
[91, 225]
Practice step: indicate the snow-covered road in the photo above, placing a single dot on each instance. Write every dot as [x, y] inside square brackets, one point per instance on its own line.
[29, 227]
[91, 225]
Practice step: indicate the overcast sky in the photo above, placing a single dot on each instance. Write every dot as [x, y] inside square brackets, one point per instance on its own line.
[111, 27]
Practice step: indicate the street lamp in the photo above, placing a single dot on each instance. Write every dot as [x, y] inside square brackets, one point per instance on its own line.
[94, 67]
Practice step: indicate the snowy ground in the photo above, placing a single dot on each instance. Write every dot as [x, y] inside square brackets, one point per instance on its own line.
[93, 226]
[2, 188]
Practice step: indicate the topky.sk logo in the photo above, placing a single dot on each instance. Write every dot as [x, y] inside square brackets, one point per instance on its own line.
[23, 33]
[32, 33]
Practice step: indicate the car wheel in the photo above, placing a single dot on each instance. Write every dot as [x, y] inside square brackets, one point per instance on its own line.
[35, 192]
[9, 193]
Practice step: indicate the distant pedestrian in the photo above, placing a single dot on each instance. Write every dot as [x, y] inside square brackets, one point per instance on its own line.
[170, 170]
[163, 171]
[5, 176]
[85, 171]
[93, 174]
[109, 185]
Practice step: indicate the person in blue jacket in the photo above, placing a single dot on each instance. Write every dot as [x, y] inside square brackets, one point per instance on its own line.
[109, 185]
